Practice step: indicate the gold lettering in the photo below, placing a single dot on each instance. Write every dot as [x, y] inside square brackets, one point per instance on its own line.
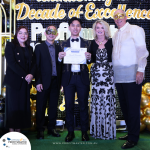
[129, 13]
[38, 14]
[45, 14]
[71, 13]
[119, 6]
[32, 13]
[54, 12]
[112, 12]
[78, 12]
[137, 13]
[108, 2]
[107, 11]
[21, 6]
[61, 14]
[148, 15]
[124, 7]
[88, 10]
[95, 15]
[143, 14]
[100, 16]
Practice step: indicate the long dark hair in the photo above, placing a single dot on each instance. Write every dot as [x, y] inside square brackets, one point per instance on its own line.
[15, 40]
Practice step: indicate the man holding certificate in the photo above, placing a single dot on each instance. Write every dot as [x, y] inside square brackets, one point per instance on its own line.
[75, 78]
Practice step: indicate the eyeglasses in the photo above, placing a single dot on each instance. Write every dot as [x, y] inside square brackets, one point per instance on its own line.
[119, 16]
[51, 31]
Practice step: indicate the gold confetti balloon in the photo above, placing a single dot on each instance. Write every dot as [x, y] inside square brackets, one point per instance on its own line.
[147, 84]
[33, 113]
[147, 90]
[144, 101]
[146, 120]
[142, 113]
[147, 111]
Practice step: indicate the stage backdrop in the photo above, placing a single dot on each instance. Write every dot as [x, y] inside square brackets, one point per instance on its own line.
[37, 14]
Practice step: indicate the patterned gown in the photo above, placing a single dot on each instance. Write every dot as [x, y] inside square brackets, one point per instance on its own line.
[103, 103]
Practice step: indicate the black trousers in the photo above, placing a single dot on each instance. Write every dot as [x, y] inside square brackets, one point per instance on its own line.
[130, 97]
[51, 95]
[74, 85]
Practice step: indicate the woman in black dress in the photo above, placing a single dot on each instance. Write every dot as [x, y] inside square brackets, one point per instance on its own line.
[19, 74]
[103, 103]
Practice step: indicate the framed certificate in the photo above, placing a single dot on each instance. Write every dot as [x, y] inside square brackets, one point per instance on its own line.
[75, 56]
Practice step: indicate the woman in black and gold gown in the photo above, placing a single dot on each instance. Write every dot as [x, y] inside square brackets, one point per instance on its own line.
[19, 74]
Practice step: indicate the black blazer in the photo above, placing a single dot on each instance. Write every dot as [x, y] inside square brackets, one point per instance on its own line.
[44, 65]
[15, 72]
[94, 47]
[66, 71]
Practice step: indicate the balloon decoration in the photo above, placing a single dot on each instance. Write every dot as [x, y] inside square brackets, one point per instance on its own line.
[145, 108]
[33, 90]
[142, 113]
[144, 101]
[3, 91]
[33, 125]
[33, 114]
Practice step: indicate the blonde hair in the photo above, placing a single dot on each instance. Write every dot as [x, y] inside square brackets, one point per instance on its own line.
[106, 29]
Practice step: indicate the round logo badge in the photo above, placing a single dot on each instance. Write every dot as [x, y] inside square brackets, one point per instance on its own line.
[14, 141]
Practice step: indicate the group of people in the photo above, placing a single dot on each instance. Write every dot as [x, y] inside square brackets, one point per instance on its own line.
[119, 61]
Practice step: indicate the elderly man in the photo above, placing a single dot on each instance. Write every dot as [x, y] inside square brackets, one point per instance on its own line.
[129, 61]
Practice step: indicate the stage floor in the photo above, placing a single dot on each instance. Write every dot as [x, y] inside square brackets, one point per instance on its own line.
[54, 143]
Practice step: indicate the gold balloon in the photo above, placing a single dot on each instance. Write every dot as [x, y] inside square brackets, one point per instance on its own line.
[142, 126]
[147, 112]
[143, 89]
[146, 120]
[142, 113]
[147, 90]
[33, 113]
[30, 102]
[147, 84]
[34, 104]
[31, 90]
[144, 101]
[34, 91]
[3, 91]
[33, 125]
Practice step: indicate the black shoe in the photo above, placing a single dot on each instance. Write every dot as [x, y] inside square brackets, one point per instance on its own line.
[70, 136]
[85, 136]
[40, 135]
[128, 144]
[54, 133]
[124, 137]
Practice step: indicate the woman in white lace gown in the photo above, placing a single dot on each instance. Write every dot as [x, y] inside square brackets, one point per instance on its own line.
[103, 103]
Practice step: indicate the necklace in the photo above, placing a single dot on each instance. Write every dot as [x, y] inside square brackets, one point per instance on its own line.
[101, 42]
